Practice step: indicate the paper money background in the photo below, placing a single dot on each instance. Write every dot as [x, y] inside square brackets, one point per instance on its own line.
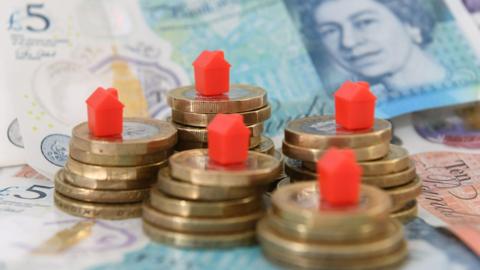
[54, 53]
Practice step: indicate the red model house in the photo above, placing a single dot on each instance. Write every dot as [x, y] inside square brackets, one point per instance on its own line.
[105, 113]
[212, 73]
[355, 106]
[228, 139]
[339, 177]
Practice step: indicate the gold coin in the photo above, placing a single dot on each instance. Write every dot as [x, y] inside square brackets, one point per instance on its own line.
[97, 210]
[294, 169]
[299, 203]
[321, 132]
[391, 180]
[203, 119]
[402, 194]
[387, 261]
[396, 160]
[110, 184]
[189, 145]
[240, 98]
[97, 195]
[196, 134]
[406, 214]
[342, 233]
[104, 173]
[380, 244]
[266, 146]
[200, 225]
[204, 240]
[186, 208]
[139, 136]
[195, 167]
[185, 190]
[371, 152]
[118, 160]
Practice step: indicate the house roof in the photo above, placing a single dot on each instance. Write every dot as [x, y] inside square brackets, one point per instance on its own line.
[228, 124]
[355, 91]
[102, 99]
[211, 60]
[335, 161]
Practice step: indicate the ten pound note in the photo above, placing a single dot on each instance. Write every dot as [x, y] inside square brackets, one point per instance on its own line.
[451, 192]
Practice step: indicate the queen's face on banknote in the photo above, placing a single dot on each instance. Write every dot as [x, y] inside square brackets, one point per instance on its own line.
[381, 41]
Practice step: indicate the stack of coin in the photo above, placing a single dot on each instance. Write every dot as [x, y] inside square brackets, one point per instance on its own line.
[109, 177]
[300, 232]
[384, 165]
[191, 113]
[197, 203]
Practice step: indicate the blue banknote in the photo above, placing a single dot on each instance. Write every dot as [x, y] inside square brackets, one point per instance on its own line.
[259, 40]
[415, 54]
[429, 247]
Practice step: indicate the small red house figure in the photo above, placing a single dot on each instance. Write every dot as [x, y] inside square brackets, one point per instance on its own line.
[105, 113]
[355, 106]
[212, 73]
[339, 177]
[228, 139]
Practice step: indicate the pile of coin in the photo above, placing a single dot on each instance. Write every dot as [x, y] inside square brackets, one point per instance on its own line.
[198, 203]
[300, 232]
[109, 177]
[191, 113]
[384, 165]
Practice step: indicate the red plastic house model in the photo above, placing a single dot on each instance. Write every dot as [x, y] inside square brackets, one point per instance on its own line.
[212, 73]
[339, 177]
[355, 106]
[228, 139]
[105, 113]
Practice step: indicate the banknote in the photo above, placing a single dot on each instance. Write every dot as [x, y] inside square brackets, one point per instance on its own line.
[10, 139]
[473, 6]
[415, 54]
[58, 53]
[36, 235]
[259, 40]
[455, 126]
[451, 185]
[408, 134]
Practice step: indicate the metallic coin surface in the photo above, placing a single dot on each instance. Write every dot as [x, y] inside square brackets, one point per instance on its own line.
[391, 180]
[118, 160]
[195, 167]
[380, 244]
[266, 146]
[186, 208]
[203, 119]
[97, 210]
[300, 203]
[396, 160]
[388, 261]
[407, 213]
[401, 195]
[203, 240]
[188, 191]
[114, 173]
[189, 145]
[240, 98]
[342, 233]
[294, 169]
[98, 195]
[196, 134]
[110, 184]
[200, 225]
[371, 152]
[321, 132]
[139, 136]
